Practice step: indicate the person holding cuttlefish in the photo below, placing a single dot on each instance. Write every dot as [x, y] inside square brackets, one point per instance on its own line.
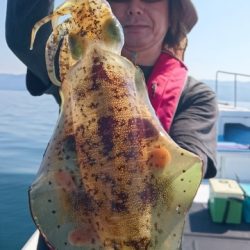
[156, 30]
[155, 37]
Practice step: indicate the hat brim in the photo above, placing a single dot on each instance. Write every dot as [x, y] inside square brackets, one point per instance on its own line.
[190, 16]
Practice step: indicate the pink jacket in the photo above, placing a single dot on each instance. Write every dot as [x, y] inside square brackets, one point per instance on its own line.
[165, 86]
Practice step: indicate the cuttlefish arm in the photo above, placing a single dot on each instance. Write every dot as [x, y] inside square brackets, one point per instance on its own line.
[51, 48]
[61, 10]
[52, 45]
[59, 32]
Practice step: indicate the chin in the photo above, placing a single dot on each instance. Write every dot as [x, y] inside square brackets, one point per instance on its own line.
[135, 45]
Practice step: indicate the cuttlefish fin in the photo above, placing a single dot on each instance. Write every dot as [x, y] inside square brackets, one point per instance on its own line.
[182, 188]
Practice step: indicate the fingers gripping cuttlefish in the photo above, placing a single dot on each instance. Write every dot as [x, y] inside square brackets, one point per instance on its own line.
[111, 177]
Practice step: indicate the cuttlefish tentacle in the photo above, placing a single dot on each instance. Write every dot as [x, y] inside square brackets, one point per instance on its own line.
[59, 32]
[62, 10]
[52, 46]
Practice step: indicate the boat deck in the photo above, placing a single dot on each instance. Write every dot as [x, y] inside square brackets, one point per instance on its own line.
[201, 233]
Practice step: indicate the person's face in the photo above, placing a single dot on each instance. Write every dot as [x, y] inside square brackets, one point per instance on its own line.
[145, 22]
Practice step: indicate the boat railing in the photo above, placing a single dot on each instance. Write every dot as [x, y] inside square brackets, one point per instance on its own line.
[235, 75]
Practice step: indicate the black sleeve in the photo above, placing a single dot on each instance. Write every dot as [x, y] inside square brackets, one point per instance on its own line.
[20, 19]
[194, 124]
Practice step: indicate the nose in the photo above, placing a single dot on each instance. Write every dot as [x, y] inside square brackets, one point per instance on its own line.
[134, 8]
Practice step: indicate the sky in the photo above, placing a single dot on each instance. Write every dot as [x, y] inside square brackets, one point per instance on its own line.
[219, 41]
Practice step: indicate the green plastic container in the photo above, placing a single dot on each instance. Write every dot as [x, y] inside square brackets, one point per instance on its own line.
[225, 201]
[246, 203]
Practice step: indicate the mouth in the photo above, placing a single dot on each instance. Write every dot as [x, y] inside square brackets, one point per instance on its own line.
[135, 28]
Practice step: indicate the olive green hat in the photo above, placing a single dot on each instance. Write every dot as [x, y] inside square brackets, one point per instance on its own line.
[190, 16]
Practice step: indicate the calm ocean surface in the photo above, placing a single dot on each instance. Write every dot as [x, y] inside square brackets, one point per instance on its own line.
[26, 124]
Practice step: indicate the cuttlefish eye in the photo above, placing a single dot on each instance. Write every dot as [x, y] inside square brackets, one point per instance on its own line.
[113, 31]
[76, 46]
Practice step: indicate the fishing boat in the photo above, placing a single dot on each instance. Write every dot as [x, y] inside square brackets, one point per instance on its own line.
[233, 151]
[233, 162]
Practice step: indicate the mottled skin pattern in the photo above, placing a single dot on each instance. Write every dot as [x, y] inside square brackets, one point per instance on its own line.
[111, 177]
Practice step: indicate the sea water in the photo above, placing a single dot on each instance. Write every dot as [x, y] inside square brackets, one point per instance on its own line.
[26, 124]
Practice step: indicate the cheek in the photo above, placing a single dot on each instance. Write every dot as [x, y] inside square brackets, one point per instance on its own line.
[162, 22]
[119, 10]
[161, 16]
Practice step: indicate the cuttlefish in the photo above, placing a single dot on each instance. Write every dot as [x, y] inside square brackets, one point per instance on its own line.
[111, 177]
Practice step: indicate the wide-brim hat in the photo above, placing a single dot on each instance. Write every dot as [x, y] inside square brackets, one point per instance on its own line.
[190, 16]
